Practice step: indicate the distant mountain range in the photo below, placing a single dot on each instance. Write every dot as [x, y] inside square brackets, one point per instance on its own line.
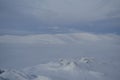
[85, 68]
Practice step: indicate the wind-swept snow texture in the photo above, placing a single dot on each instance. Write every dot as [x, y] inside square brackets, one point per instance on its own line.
[84, 68]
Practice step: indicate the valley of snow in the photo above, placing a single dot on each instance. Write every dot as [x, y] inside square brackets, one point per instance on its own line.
[75, 56]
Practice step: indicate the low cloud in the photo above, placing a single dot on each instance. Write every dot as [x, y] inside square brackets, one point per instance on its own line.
[20, 51]
[68, 38]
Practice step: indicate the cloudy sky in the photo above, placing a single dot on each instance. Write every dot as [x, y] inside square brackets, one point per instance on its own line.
[59, 16]
[34, 31]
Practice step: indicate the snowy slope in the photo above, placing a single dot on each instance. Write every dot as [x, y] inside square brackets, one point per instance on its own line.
[13, 75]
[85, 68]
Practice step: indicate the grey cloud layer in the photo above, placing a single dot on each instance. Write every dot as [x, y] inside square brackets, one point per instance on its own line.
[59, 11]
[35, 16]
[20, 51]
[72, 38]
[62, 11]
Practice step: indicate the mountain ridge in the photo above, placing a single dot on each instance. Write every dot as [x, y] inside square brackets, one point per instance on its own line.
[85, 68]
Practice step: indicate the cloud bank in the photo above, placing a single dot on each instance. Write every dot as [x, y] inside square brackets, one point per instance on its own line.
[21, 51]
[68, 38]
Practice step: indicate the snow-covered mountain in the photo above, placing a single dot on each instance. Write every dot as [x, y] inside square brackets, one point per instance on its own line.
[85, 68]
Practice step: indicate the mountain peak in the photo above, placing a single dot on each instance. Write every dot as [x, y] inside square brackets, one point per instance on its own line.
[84, 68]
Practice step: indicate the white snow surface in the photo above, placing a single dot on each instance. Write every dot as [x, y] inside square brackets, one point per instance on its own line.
[84, 68]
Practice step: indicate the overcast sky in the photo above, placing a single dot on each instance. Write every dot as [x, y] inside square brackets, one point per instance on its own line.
[59, 16]
[35, 31]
